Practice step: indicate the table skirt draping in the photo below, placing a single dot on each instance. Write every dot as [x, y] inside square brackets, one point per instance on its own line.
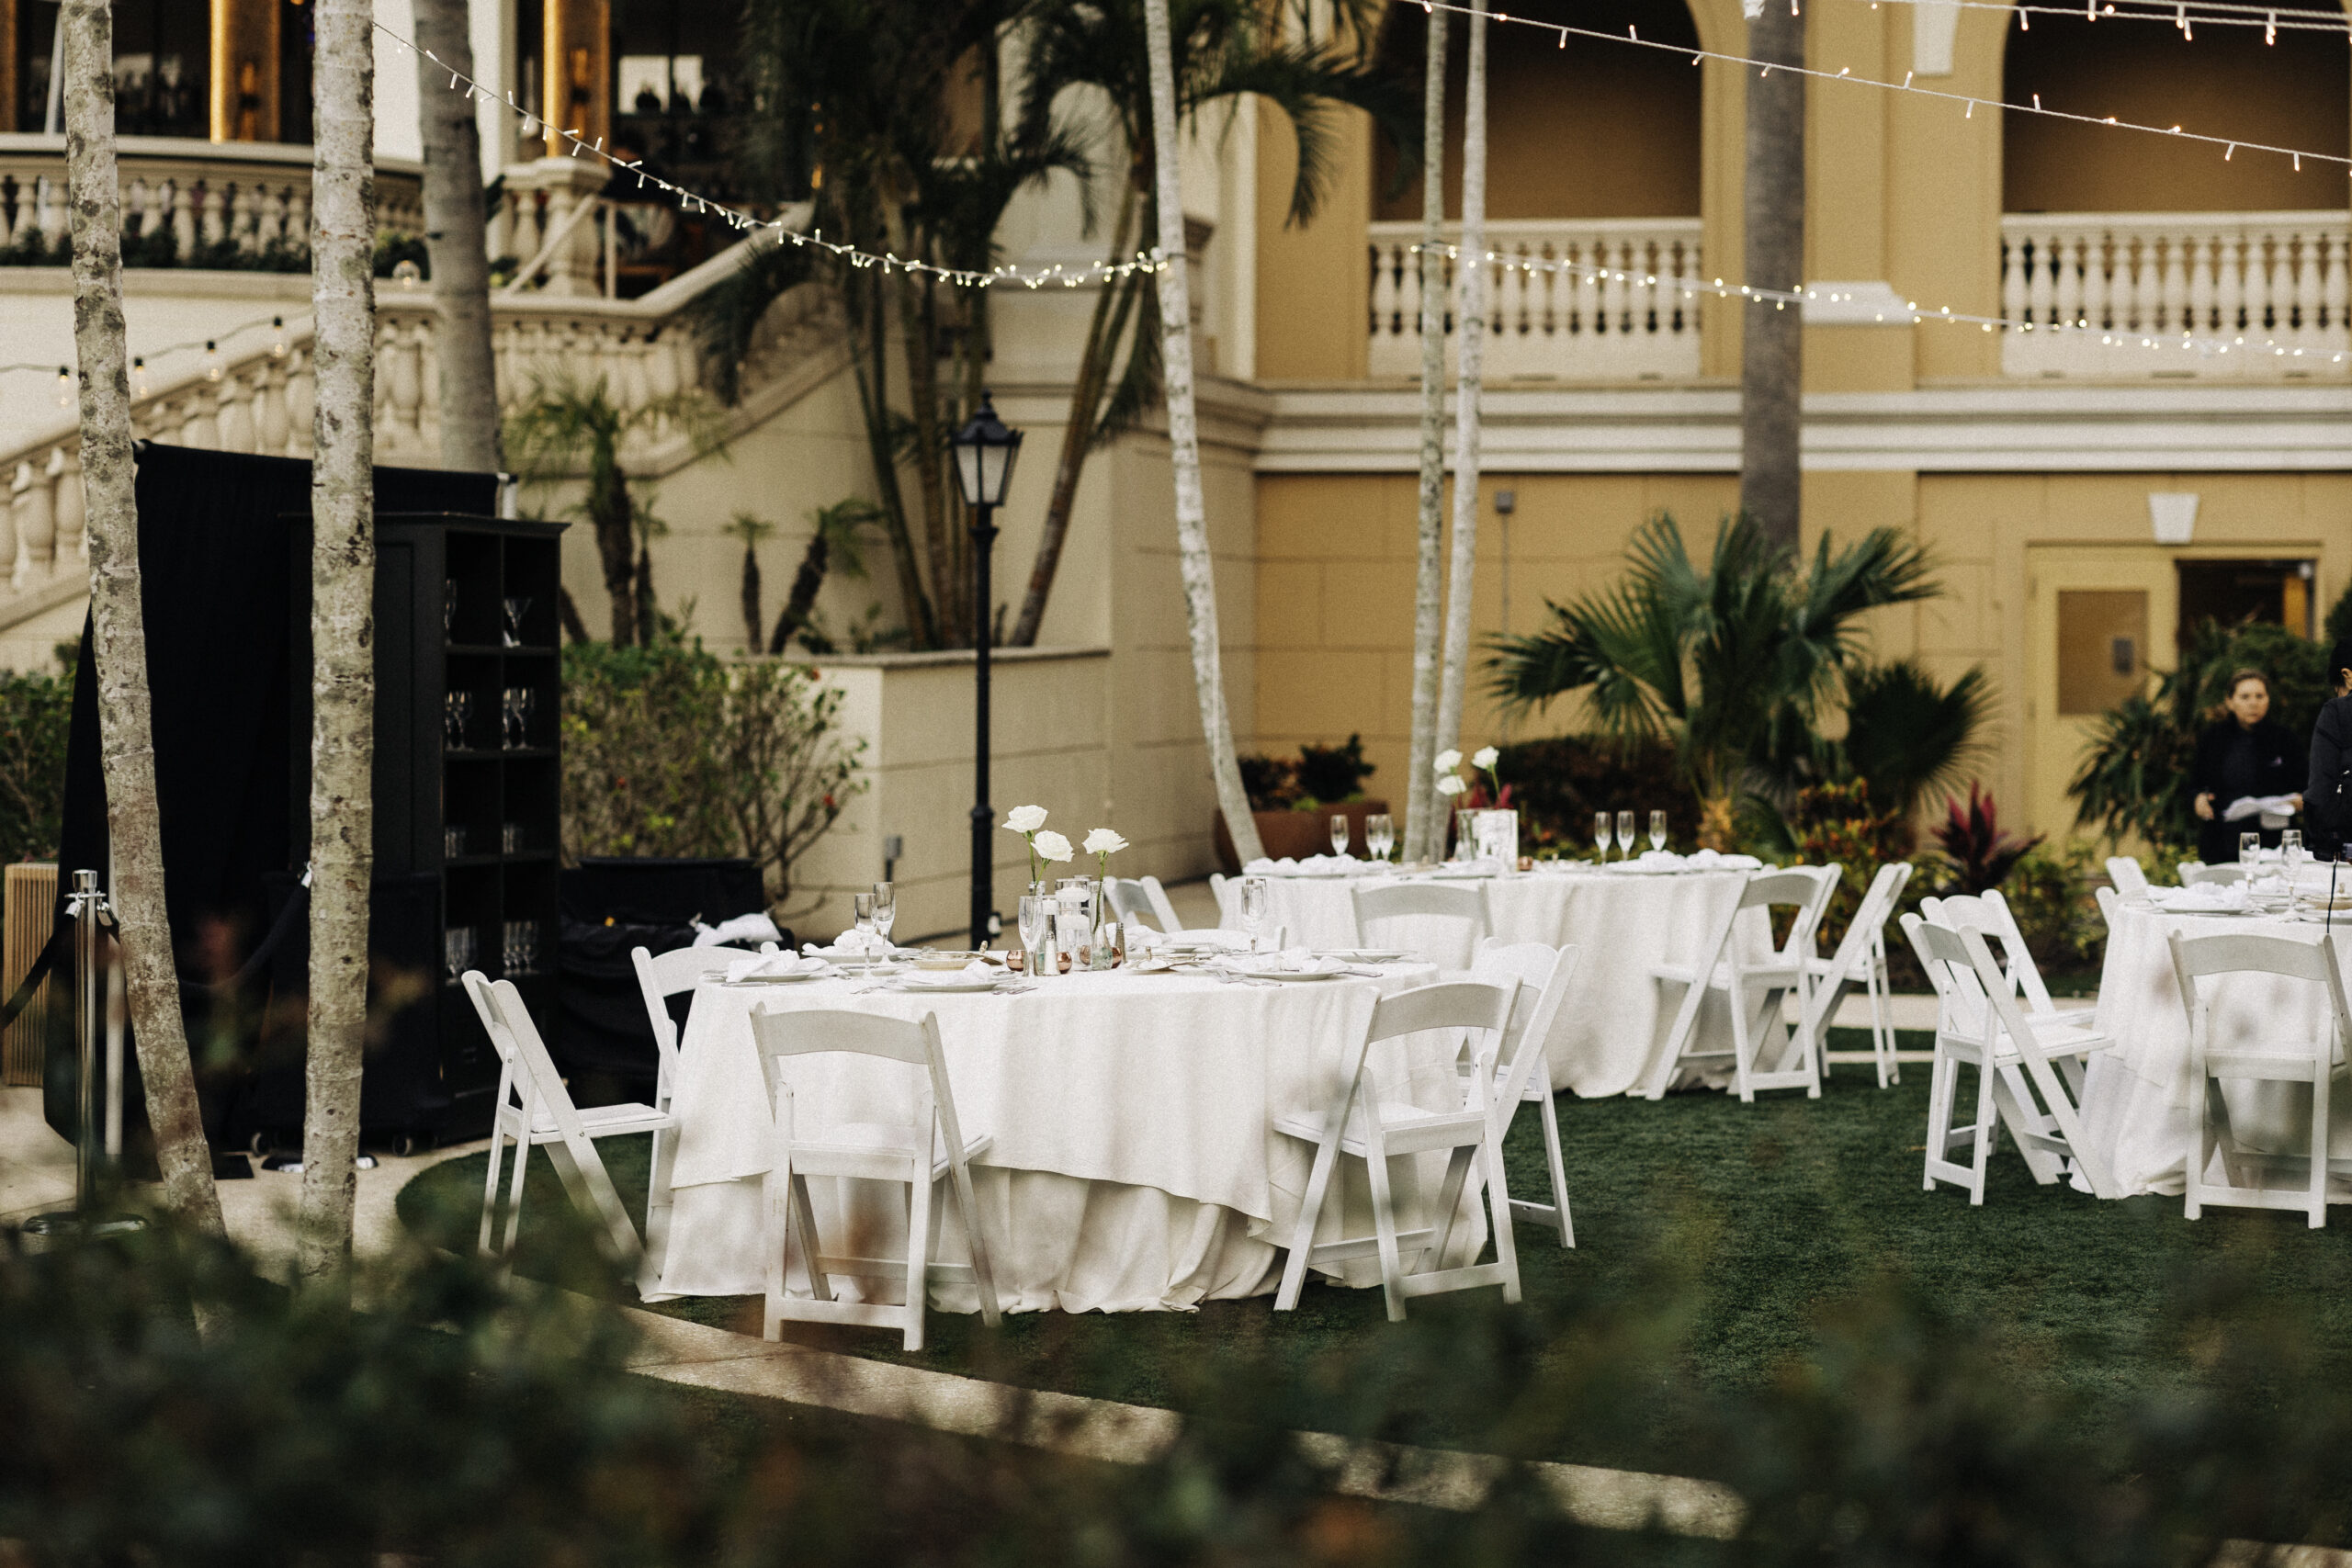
[1624, 922]
[2139, 1097]
[1134, 1164]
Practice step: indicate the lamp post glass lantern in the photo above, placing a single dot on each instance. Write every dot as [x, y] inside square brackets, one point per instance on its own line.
[984, 450]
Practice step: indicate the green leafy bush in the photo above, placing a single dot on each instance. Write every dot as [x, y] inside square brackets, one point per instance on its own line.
[1837, 824]
[1560, 780]
[1330, 774]
[669, 749]
[34, 711]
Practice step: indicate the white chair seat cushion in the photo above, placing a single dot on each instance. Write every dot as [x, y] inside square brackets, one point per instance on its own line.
[603, 1121]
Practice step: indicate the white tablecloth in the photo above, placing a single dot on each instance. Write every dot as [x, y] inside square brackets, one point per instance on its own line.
[1134, 1165]
[2139, 1099]
[1624, 922]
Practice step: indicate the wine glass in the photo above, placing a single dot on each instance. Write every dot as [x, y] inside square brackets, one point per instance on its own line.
[1256, 894]
[1601, 834]
[1036, 913]
[448, 606]
[2290, 849]
[861, 909]
[1379, 835]
[1658, 829]
[1338, 835]
[517, 607]
[457, 707]
[2249, 848]
[526, 700]
[1625, 834]
[886, 910]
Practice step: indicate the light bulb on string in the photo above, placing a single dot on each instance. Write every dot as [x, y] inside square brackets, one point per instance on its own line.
[65, 387]
[138, 376]
[212, 360]
[277, 337]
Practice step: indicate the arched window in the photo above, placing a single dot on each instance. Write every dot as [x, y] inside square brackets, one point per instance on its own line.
[1594, 129]
[2226, 81]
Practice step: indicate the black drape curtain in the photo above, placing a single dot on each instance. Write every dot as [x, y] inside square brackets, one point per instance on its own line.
[217, 558]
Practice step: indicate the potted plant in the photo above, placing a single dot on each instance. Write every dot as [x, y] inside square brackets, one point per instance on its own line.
[1292, 801]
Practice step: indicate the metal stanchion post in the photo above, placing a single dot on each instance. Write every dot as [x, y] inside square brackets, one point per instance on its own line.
[98, 1016]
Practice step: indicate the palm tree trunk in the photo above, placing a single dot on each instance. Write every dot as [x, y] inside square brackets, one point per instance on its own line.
[1184, 442]
[1428, 583]
[119, 637]
[1471, 325]
[342, 583]
[1102, 335]
[872, 362]
[1771, 358]
[752, 618]
[458, 239]
[805, 584]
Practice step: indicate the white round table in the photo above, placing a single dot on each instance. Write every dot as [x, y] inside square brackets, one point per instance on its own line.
[1624, 922]
[1134, 1165]
[2139, 1099]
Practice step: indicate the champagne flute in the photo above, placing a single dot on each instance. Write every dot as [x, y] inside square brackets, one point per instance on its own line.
[1340, 835]
[886, 910]
[1658, 829]
[2290, 849]
[1601, 834]
[860, 909]
[2249, 848]
[1035, 915]
[1625, 834]
[1255, 896]
[1379, 835]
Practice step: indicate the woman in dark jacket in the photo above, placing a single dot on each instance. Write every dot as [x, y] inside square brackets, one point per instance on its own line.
[2327, 793]
[2243, 754]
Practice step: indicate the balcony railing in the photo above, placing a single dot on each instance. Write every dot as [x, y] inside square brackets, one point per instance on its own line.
[2265, 292]
[1613, 308]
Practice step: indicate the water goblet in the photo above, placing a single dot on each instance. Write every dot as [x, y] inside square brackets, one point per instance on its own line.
[517, 607]
[2249, 848]
[1256, 896]
[507, 728]
[1340, 834]
[1379, 835]
[1601, 827]
[1658, 829]
[861, 907]
[885, 909]
[1625, 834]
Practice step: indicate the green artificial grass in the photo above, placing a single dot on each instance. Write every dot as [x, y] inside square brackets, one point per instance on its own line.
[1733, 1229]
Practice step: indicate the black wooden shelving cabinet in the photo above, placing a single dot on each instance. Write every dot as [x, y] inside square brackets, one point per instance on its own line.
[429, 781]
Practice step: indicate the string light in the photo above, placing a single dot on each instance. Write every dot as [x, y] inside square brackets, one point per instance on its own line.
[65, 387]
[2211, 13]
[139, 376]
[211, 361]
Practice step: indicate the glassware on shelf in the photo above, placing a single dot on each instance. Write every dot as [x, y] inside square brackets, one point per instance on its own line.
[1257, 899]
[510, 838]
[519, 951]
[514, 722]
[448, 606]
[458, 949]
[1658, 829]
[518, 605]
[1601, 834]
[885, 909]
[456, 709]
[1379, 835]
[1339, 833]
[453, 842]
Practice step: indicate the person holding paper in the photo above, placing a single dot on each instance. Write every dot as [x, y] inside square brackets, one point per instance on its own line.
[2247, 767]
[2329, 792]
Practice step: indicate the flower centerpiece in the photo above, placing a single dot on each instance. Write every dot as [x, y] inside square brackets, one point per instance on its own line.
[1482, 797]
[1045, 844]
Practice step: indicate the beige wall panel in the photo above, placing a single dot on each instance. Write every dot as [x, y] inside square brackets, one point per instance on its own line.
[1360, 603]
[1943, 198]
[1846, 146]
[1965, 624]
[1721, 126]
[1857, 359]
[1314, 280]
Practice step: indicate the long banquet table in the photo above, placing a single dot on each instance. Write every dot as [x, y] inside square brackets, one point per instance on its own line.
[2139, 1095]
[1624, 922]
[1134, 1165]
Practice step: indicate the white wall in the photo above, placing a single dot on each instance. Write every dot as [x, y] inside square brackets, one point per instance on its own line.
[399, 84]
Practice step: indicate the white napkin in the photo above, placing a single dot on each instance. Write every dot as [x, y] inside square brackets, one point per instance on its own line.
[773, 964]
[1201, 937]
[852, 944]
[1289, 961]
[975, 970]
[2274, 810]
[751, 928]
[2206, 899]
[1711, 860]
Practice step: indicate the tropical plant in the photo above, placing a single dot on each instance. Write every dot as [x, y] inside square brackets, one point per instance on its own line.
[1558, 782]
[669, 749]
[1971, 838]
[833, 543]
[34, 712]
[1332, 773]
[1842, 824]
[1271, 783]
[743, 526]
[1237, 52]
[1726, 663]
[1907, 734]
[2133, 782]
[566, 421]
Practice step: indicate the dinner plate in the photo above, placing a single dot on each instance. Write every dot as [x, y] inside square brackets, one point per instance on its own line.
[1366, 955]
[911, 986]
[778, 979]
[1287, 974]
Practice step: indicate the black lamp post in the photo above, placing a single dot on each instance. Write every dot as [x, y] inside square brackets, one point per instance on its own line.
[984, 452]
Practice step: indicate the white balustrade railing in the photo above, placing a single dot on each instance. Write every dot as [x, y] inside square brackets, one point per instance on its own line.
[1611, 307]
[2264, 292]
[642, 350]
[252, 198]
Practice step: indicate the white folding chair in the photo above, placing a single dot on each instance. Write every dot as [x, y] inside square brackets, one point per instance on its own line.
[1130, 904]
[2316, 1061]
[2130, 879]
[2028, 1070]
[1461, 904]
[1542, 975]
[1163, 908]
[1219, 890]
[2196, 873]
[535, 1111]
[931, 1145]
[1860, 960]
[1755, 989]
[2109, 902]
[1990, 913]
[1359, 1123]
[659, 979]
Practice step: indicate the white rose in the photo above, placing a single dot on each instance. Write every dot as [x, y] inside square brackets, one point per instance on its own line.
[1449, 785]
[1449, 760]
[1051, 845]
[1025, 818]
[1484, 757]
[1104, 842]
